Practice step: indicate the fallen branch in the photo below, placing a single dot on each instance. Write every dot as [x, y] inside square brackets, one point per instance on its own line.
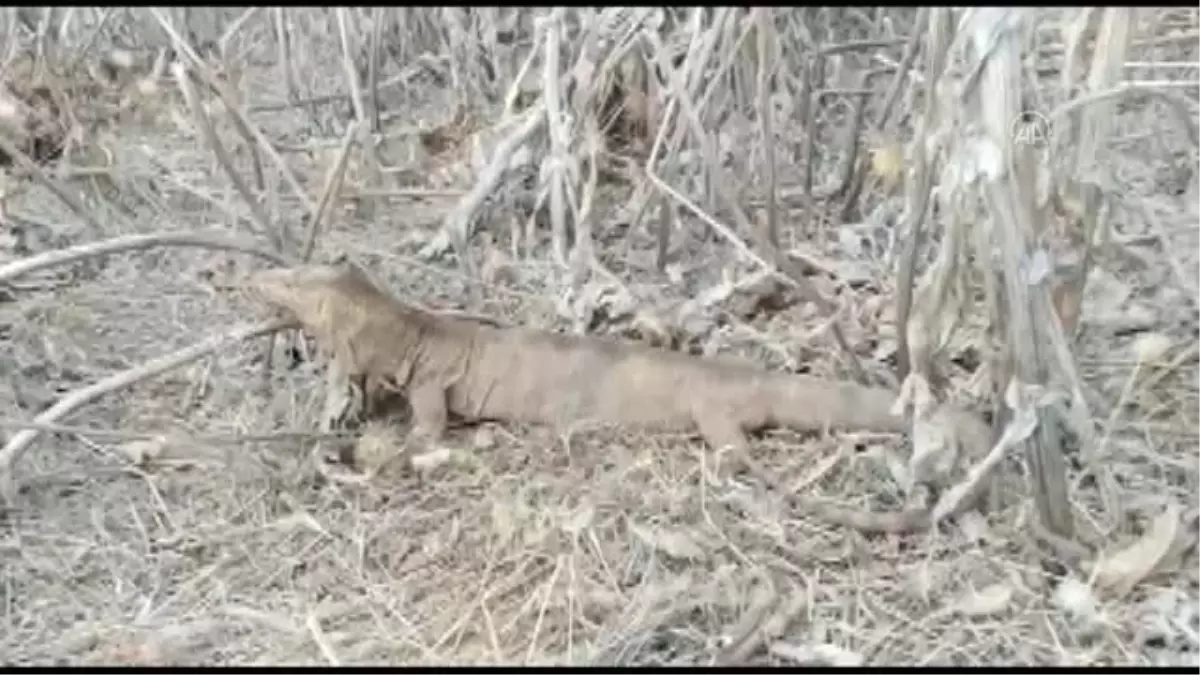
[213, 240]
[21, 441]
[233, 439]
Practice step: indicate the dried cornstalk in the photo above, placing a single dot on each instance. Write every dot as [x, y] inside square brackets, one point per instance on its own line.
[1008, 172]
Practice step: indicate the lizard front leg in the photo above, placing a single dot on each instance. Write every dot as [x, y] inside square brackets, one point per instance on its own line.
[429, 415]
[429, 412]
[343, 395]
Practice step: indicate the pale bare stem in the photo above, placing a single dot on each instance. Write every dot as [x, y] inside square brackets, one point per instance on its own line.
[11, 37]
[514, 90]
[204, 123]
[333, 185]
[694, 63]
[808, 112]
[29, 166]
[43, 29]
[906, 61]
[456, 229]
[356, 94]
[1029, 316]
[454, 31]
[1074, 40]
[1108, 62]
[584, 251]
[356, 99]
[373, 66]
[225, 207]
[917, 190]
[105, 15]
[22, 440]
[234, 110]
[766, 64]
[288, 69]
[64, 26]
[235, 28]
[556, 121]
[852, 180]
[211, 240]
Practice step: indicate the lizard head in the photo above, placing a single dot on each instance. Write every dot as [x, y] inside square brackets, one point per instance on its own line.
[313, 295]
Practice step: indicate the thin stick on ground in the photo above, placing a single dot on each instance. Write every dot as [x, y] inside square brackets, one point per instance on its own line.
[313, 624]
[109, 434]
[22, 440]
[211, 240]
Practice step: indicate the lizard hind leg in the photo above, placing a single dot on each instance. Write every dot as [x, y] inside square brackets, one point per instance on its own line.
[723, 434]
[429, 417]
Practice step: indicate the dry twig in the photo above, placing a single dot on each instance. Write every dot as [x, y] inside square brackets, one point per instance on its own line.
[21, 441]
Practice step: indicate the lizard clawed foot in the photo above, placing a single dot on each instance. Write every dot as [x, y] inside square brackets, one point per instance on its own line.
[344, 407]
[385, 449]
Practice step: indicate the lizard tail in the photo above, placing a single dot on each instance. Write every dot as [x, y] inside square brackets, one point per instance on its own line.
[804, 402]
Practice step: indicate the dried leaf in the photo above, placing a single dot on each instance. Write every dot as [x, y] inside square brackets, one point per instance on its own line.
[993, 599]
[1124, 569]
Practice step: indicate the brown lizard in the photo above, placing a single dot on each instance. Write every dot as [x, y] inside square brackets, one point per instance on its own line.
[483, 372]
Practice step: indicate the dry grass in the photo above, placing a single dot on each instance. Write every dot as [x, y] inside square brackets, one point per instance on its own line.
[182, 520]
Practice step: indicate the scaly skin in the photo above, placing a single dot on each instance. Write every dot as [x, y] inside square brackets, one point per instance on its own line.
[477, 371]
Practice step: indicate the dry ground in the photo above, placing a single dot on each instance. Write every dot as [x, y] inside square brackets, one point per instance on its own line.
[527, 547]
